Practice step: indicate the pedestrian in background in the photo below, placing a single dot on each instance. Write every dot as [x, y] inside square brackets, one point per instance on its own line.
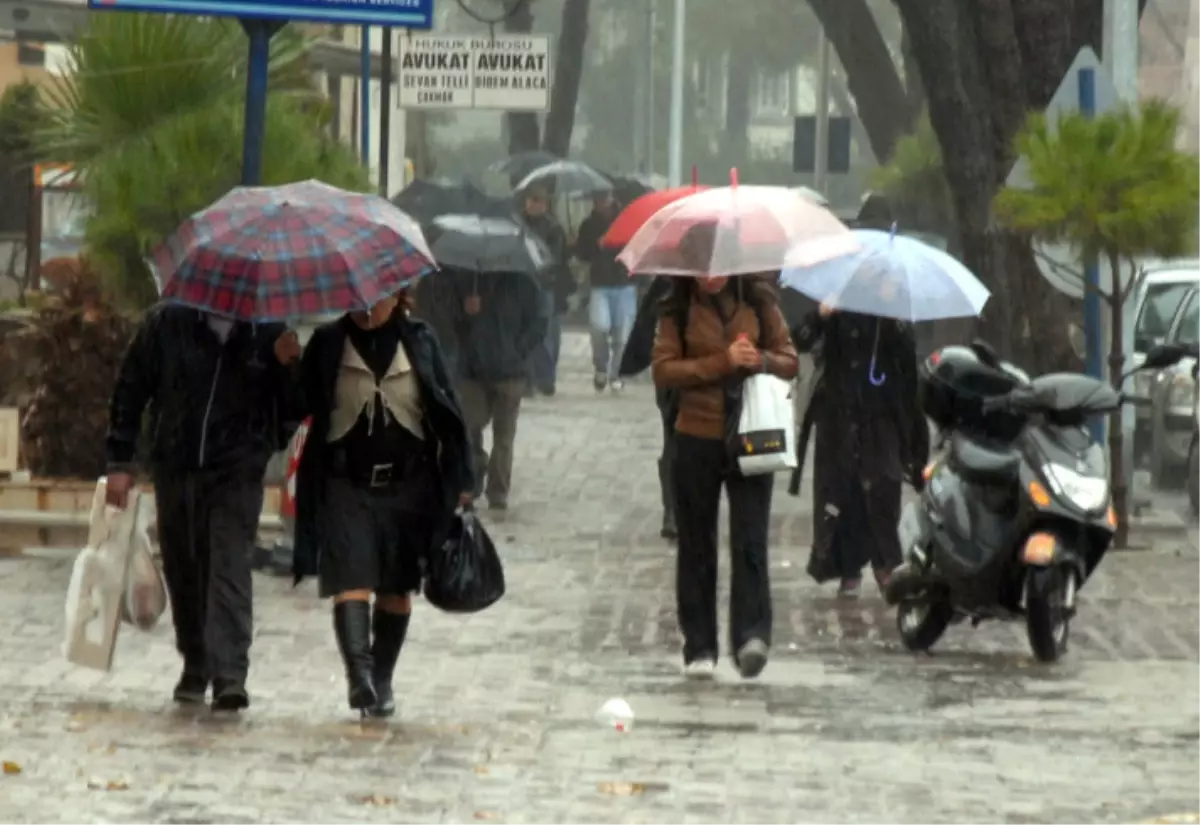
[712, 334]
[218, 394]
[870, 437]
[636, 359]
[500, 321]
[613, 302]
[558, 284]
[385, 465]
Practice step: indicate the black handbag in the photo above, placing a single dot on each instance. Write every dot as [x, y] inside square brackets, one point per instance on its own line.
[464, 573]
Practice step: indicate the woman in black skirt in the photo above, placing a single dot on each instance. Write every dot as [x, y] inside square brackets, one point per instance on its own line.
[385, 465]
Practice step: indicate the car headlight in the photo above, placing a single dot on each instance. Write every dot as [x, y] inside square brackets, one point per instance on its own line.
[1088, 493]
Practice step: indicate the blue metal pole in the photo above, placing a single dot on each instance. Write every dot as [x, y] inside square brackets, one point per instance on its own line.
[364, 98]
[254, 125]
[1093, 322]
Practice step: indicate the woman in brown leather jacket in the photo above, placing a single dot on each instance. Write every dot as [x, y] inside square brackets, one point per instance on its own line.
[732, 327]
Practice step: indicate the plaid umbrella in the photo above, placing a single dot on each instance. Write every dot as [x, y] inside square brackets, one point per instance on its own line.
[277, 253]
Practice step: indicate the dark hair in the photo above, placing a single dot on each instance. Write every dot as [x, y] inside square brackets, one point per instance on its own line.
[757, 291]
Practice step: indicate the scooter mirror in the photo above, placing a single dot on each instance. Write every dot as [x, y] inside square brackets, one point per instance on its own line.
[1163, 355]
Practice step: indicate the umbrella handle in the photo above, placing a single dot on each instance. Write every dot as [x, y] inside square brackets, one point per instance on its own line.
[876, 380]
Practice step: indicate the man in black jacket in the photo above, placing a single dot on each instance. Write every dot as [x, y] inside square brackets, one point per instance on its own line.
[502, 319]
[557, 283]
[217, 394]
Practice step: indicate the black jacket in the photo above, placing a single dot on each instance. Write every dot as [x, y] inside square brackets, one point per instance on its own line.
[605, 269]
[557, 276]
[443, 422]
[495, 344]
[211, 404]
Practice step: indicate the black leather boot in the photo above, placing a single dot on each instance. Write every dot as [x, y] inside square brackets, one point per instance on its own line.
[390, 630]
[352, 624]
[669, 530]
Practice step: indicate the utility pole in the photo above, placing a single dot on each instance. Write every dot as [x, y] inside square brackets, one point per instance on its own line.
[651, 71]
[641, 79]
[675, 148]
[1120, 50]
[821, 130]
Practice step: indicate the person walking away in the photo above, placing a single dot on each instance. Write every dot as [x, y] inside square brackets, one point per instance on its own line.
[714, 332]
[613, 302]
[636, 359]
[870, 436]
[218, 395]
[558, 284]
[385, 465]
[501, 321]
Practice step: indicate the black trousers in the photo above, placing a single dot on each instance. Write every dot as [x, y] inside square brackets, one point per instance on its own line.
[701, 469]
[207, 522]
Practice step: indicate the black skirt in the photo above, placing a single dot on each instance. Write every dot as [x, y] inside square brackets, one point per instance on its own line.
[372, 538]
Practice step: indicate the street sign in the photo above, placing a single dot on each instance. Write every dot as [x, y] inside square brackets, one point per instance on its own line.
[509, 72]
[1066, 101]
[412, 14]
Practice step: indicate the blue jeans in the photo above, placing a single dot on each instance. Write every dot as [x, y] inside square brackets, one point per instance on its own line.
[542, 365]
[611, 313]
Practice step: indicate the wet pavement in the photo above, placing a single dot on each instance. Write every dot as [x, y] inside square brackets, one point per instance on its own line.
[497, 710]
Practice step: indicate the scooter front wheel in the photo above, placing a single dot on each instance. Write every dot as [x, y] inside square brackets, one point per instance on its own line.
[1048, 596]
[922, 622]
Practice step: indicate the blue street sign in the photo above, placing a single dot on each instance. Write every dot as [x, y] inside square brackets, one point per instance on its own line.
[411, 14]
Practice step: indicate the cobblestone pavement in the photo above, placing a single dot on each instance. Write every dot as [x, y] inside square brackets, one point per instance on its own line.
[497, 715]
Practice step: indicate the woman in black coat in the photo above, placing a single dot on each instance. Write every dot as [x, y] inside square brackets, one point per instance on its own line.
[385, 465]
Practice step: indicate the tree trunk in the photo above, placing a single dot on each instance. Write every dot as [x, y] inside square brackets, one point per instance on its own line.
[568, 72]
[523, 129]
[1116, 432]
[739, 79]
[416, 141]
[871, 74]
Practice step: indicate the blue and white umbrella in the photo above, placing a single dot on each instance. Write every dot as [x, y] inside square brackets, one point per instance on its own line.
[892, 276]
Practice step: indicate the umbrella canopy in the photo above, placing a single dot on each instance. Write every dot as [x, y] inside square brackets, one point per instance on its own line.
[892, 276]
[732, 230]
[517, 166]
[567, 177]
[476, 243]
[277, 253]
[635, 215]
[628, 188]
[426, 200]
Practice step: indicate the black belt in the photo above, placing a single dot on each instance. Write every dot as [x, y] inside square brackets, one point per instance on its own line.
[375, 476]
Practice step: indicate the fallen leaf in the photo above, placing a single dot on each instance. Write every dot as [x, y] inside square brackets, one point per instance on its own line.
[481, 770]
[484, 815]
[622, 788]
[108, 785]
[376, 800]
[11, 769]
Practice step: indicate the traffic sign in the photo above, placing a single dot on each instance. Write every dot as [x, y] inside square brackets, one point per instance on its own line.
[1067, 101]
[412, 14]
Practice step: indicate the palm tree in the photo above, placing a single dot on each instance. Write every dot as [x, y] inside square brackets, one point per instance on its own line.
[1115, 188]
[150, 115]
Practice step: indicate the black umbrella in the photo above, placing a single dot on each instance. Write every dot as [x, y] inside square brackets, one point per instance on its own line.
[484, 243]
[425, 200]
[521, 164]
[568, 177]
[628, 188]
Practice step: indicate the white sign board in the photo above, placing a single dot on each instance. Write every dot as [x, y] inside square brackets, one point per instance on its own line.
[508, 71]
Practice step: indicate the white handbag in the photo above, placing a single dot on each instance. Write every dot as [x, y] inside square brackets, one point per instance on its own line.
[94, 595]
[766, 427]
[145, 593]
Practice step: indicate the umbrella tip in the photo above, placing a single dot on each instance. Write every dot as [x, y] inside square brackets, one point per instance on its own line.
[733, 176]
[695, 175]
[892, 234]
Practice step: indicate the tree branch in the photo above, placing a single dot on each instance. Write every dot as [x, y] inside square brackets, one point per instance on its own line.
[871, 73]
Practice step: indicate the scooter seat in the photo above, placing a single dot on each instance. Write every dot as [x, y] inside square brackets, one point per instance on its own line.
[976, 461]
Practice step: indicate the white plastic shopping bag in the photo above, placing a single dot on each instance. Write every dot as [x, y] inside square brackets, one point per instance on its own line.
[144, 597]
[766, 430]
[95, 593]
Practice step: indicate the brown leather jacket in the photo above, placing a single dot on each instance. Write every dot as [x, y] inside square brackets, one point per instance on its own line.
[701, 375]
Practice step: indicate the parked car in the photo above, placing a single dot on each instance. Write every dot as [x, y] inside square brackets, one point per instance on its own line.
[1158, 299]
[1193, 477]
[1173, 399]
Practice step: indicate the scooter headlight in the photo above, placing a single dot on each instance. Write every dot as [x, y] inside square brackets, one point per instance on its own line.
[1088, 493]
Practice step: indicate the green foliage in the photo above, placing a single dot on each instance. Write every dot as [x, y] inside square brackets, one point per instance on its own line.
[914, 179]
[1113, 186]
[150, 113]
[21, 119]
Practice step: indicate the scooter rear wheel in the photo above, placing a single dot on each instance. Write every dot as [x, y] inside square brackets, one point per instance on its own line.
[921, 623]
